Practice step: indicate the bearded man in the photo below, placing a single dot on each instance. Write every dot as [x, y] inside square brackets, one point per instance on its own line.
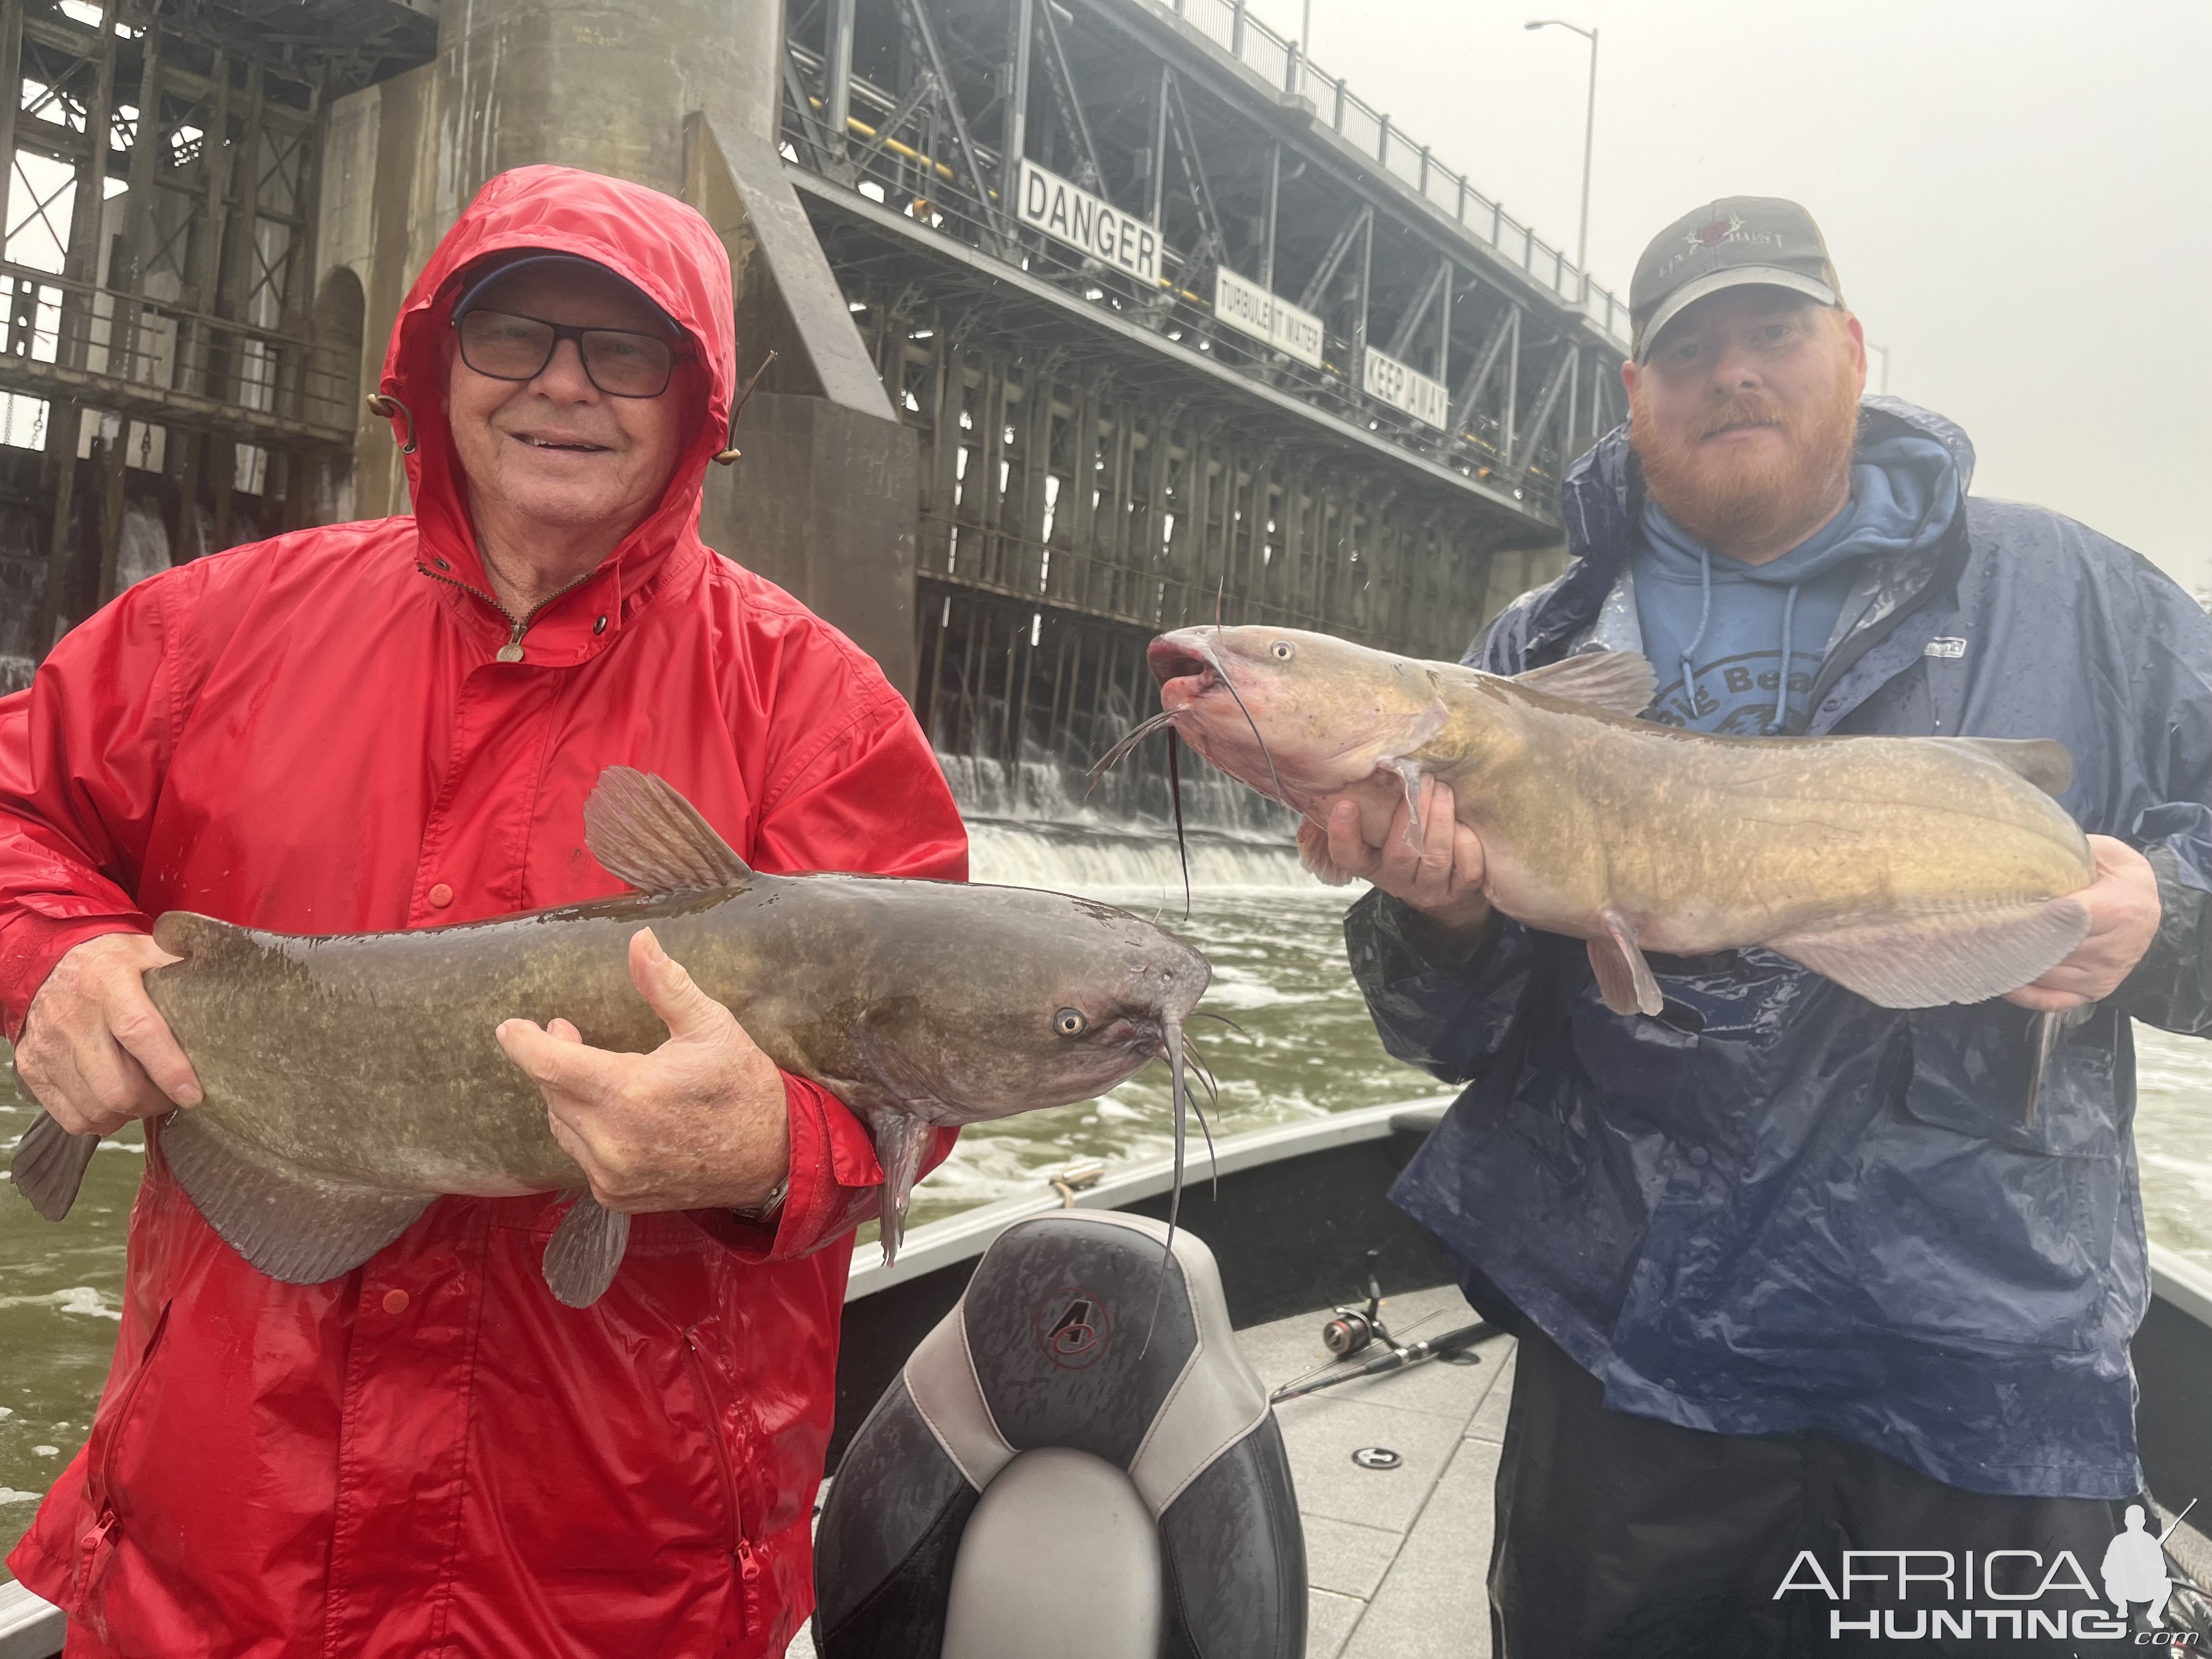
[1792, 1272]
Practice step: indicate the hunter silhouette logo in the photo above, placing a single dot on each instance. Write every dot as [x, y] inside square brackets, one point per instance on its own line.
[2015, 1594]
[1073, 1328]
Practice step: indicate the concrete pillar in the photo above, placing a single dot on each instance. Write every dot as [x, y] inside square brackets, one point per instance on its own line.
[604, 84]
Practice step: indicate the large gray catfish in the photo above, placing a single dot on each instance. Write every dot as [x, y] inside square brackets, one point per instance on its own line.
[351, 1079]
[1913, 871]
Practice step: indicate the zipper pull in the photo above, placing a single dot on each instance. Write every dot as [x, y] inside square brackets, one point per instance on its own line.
[101, 1529]
[511, 651]
[748, 1565]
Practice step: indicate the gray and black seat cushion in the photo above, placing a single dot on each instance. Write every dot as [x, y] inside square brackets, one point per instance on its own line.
[1041, 1478]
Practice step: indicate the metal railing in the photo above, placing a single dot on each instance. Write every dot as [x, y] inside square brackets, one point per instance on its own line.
[153, 359]
[1231, 25]
[915, 170]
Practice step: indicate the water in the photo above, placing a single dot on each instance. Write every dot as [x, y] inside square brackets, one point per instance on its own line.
[1304, 1048]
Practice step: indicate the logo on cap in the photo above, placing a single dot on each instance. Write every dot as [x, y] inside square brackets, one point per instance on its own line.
[1072, 1328]
[1714, 232]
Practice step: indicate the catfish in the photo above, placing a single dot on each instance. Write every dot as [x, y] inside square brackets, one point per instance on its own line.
[1913, 871]
[349, 1080]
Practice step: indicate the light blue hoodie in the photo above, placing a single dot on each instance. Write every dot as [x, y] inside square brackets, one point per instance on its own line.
[1722, 628]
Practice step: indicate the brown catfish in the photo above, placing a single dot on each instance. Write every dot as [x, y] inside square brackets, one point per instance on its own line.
[1913, 871]
[351, 1079]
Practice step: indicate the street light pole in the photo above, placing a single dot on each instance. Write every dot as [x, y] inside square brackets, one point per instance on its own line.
[1305, 43]
[1590, 132]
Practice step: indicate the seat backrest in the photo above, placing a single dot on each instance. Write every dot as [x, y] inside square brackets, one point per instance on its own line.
[1048, 1348]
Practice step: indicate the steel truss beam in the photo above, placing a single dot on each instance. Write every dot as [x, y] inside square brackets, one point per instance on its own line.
[184, 333]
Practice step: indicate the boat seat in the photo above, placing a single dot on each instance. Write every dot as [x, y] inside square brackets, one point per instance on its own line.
[1041, 1478]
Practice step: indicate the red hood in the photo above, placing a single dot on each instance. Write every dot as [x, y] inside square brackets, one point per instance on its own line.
[654, 241]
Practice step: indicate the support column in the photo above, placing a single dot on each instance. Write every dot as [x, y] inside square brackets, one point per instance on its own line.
[603, 84]
[837, 90]
[1021, 30]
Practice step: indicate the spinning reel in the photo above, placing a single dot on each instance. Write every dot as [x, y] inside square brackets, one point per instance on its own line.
[1349, 1330]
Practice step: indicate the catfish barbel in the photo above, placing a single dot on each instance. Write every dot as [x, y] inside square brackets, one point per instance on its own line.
[349, 1080]
[1912, 870]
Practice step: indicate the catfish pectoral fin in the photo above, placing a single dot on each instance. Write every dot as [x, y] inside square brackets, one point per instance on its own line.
[585, 1251]
[2043, 1033]
[1411, 775]
[49, 1166]
[299, 1228]
[1624, 978]
[901, 1142]
[1944, 956]
[1622, 682]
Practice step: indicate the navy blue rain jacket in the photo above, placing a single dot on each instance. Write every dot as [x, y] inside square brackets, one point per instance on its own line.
[1775, 1206]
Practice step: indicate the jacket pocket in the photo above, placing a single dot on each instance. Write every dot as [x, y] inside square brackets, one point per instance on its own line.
[1976, 1224]
[1970, 1072]
[714, 1421]
[96, 1549]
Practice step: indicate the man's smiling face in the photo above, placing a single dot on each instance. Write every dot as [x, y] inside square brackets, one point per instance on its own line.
[556, 451]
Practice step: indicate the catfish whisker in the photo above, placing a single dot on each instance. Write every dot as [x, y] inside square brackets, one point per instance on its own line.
[1208, 1014]
[1196, 1058]
[1175, 795]
[1212, 1163]
[1129, 739]
[1274, 777]
[1171, 1051]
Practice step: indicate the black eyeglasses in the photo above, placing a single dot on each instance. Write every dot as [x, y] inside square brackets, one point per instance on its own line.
[504, 346]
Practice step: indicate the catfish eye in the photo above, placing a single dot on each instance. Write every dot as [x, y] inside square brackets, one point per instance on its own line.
[1282, 651]
[1069, 1022]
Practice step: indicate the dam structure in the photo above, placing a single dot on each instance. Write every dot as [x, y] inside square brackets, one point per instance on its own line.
[1092, 318]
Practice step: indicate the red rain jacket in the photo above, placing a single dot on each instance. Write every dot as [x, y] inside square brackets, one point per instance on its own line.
[312, 734]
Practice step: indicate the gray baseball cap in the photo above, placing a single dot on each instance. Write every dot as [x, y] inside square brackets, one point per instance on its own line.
[1736, 240]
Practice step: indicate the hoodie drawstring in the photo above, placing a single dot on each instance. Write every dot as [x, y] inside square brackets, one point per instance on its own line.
[1704, 616]
[1780, 723]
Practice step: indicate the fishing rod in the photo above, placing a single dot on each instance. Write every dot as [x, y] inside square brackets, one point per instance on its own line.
[1352, 1331]
[2177, 1520]
[1392, 1359]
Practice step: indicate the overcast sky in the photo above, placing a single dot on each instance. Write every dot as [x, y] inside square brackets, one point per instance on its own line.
[2018, 194]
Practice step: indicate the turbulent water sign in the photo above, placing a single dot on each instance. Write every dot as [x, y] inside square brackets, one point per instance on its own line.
[1049, 203]
[1402, 387]
[1254, 310]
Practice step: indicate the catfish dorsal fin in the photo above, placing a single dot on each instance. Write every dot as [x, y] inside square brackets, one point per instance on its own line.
[641, 830]
[1619, 681]
[2043, 761]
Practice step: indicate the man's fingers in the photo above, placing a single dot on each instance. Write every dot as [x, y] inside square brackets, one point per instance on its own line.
[1348, 848]
[563, 1030]
[1439, 828]
[1468, 865]
[558, 1065]
[139, 1028]
[1313, 855]
[2044, 1000]
[670, 991]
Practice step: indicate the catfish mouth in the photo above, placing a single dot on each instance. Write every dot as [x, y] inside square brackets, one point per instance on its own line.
[1182, 671]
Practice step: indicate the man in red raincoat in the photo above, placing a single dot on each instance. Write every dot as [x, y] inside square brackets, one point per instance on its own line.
[394, 725]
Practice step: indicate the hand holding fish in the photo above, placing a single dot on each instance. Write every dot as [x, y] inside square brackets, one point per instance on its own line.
[2123, 917]
[699, 1123]
[1437, 870]
[95, 1052]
